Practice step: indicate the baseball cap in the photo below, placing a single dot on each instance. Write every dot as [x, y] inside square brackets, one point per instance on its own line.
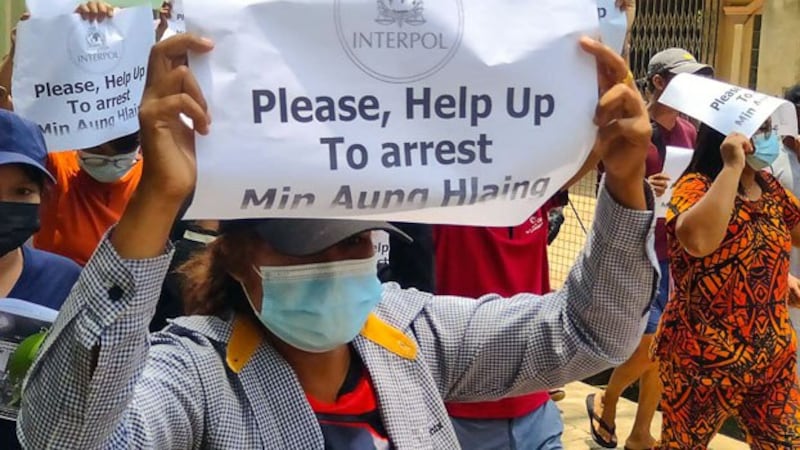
[21, 142]
[676, 60]
[303, 237]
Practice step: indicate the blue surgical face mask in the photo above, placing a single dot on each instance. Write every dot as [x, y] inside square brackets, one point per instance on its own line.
[318, 307]
[107, 169]
[767, 146]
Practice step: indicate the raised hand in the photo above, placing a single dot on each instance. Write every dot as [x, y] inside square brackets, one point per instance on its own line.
[794, 292]
[169, 171]
[95, 11]
[5, 99]
[659, 182]
[624, 4]
[734, 150]
[624, 126]
[171, 90]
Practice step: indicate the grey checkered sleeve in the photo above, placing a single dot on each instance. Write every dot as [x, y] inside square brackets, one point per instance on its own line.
[496, 347]
[79, 391]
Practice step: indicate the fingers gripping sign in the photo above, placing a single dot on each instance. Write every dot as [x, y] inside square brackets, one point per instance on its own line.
[171, 90]
[624, 128]
[95, 11]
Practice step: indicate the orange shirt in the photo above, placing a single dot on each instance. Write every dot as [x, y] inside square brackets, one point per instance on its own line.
[727, 311]
[78, 210]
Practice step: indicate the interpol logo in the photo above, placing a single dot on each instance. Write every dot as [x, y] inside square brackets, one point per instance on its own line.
[97, 48]
[402, 40]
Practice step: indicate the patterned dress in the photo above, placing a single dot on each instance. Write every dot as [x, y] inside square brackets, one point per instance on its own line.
[725, 343]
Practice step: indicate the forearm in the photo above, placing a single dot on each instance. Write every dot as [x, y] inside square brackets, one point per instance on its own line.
[507, 347]
[7, 71]
[628, 191]
[701, 229]
[610, 288]
[84, 377]
[143, 230]
[796, 237]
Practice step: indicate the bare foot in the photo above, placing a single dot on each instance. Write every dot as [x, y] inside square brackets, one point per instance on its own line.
[640, 444]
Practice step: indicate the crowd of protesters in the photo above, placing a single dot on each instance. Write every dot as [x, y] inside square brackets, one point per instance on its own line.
[287, 333]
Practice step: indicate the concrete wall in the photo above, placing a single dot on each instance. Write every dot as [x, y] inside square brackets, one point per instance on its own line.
[726, 50]
[779, 52]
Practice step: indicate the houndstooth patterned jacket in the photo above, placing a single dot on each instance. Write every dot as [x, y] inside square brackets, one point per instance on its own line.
[204, 382]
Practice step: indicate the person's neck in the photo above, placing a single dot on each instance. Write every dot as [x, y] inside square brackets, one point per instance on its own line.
[663, 115]
[10, 270]
[748, 179]
[320, 374]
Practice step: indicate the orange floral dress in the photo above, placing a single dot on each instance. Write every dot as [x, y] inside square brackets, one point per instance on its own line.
[725, 343]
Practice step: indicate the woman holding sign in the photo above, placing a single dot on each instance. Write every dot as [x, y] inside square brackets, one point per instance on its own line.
[725, 342]
[295, 344]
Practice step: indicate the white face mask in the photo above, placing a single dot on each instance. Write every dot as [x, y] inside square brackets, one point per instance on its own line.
[107, 169]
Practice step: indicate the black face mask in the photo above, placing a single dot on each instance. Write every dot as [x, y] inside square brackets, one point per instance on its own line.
[18, 222]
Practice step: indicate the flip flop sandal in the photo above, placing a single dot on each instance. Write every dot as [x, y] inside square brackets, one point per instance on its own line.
[612, 443]
[557, 395]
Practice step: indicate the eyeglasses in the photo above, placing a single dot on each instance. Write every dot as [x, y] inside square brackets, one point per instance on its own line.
[120, 162]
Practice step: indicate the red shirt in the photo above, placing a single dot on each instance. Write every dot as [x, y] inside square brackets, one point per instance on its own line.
[474, 261]
[353, 422]
[78, 210]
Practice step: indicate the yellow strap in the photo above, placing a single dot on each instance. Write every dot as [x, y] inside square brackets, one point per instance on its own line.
[389, 337]
[246, 336]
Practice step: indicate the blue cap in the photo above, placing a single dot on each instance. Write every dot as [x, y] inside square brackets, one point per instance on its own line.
[21, 142]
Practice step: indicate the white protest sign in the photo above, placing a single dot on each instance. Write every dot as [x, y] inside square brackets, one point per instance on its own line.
[453, 111]
[728, 108]
[675, 163]
[176, 23]
[43, 9]
[81, 81]
[380, 242]
[613, 24]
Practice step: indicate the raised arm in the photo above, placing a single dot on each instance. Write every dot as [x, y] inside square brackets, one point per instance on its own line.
[498, 347]
[98, 382]
[702, 227]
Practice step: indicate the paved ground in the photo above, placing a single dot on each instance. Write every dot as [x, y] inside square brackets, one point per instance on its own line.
[576, 422]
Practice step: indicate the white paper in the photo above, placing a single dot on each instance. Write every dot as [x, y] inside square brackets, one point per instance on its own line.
[27, 309]
[728, 108]
[613, 24]
[380, 242]
[675, 163]
[477, 51]
[43, 9]
[176, 23]
[81, 81]
[19, 319]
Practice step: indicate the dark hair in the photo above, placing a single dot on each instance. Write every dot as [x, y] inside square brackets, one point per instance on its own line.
[665, 74]
[125, 144]
[35, 175]
[207, 284]
[707, 158]
[793, 94]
